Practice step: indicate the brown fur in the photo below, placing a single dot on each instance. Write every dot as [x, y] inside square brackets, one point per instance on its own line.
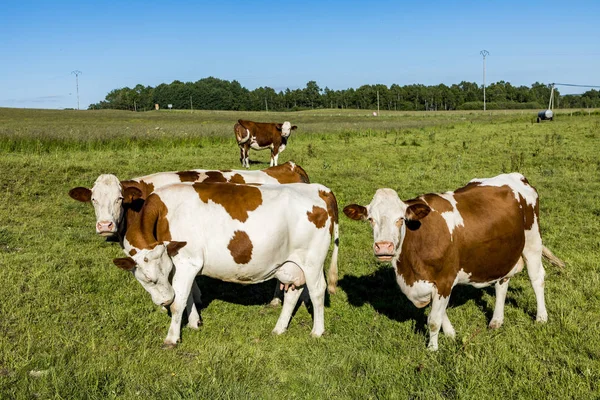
[332, 207]
[317, 216]
[264, 133]
[188, 176]
[240, 247]
[237, 178]
[487, 247]
[237, 200]
[288, 173]
[150, 226]
[214, 177]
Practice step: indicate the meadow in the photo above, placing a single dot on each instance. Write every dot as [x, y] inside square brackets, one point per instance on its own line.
[74, 326]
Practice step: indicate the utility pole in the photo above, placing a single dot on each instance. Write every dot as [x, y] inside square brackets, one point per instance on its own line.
[266, 105]
[378, 103]
[77, 73]
[484, 53]
[191, 104]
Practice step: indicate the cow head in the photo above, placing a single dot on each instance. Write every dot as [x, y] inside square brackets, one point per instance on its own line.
[108, 198]
[389, 216]
[152, 268]
[286, 128]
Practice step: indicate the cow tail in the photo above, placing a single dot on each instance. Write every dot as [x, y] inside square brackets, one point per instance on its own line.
[332, 275]
[239, 132]
[551, 258]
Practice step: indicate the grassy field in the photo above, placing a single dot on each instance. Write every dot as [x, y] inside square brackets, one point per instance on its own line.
[74, 326]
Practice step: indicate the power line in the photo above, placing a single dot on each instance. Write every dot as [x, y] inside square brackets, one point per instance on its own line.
[77, 73]
[572, 84]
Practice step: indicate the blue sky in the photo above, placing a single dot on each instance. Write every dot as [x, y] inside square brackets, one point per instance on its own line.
[340, 44]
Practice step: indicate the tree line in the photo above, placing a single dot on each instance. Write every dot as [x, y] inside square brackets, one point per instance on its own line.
[218, 94]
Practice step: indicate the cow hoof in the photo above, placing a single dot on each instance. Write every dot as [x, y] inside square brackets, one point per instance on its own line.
[316, 334]
[432, 347]
[542, 319]
[277, 331]
[276, 302]
[450, 335]
[331, 289]
[168, 346]
[495, 324]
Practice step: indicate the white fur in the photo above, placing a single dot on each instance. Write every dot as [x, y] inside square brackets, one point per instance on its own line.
[453, 218]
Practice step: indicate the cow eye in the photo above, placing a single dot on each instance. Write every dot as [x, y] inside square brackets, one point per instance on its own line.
[145, 259]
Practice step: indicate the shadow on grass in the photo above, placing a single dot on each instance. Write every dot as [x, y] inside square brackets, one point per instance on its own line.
[247, 295]
[381, 291]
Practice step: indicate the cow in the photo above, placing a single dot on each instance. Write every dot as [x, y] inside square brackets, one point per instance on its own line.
[261, 135]
[108, 192]
[478, 235]
[109, 197]
[236, 233]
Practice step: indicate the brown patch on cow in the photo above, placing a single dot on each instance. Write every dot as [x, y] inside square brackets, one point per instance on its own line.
[240, 247]
[237, 200]
[317, 216]
[437, 203]
[487, 248]
[145, 187]
[188, 176]
[287, 173]
[132, 252]
[332, 207]
[214, 177]
[237, 178]
[225, 170]
[150, 225]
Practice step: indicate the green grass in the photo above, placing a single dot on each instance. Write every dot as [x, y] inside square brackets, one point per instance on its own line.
[93, 332]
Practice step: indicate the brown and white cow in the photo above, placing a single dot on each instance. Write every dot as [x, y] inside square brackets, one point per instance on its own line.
[477, 235]
[236, 233]
[109, 197]
[261, 135]
[108, 192]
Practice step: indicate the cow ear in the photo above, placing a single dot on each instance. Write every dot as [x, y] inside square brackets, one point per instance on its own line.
[81, 194]
[131, 194]
[278, 126]
[417, 212]
[294, 127]
[174, 247]
[125, 263]
[356, 212]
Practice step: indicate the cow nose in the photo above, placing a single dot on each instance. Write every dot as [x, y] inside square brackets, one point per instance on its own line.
[166, 303]
[103, 226]
[383, 248]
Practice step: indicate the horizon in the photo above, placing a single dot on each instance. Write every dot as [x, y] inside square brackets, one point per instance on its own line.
[339, 45]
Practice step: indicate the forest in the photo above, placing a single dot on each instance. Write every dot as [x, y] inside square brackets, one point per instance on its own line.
[218, 94]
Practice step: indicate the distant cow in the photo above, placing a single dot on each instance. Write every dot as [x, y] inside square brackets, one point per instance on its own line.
[477, 235]
[261, 135]
[236, 233]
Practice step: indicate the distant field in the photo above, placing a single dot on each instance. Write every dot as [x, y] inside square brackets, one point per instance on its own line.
[74, 326]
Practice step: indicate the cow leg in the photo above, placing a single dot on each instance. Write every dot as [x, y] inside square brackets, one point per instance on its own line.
[290, 299]
[276, 296]
[194, 320]
[532, 253]
[247, 155]
[447, 327]
[498, 317]
[242, 156]
[182, 285]
[436, 318]
[275, 155]
[272, 159]
[315, 282]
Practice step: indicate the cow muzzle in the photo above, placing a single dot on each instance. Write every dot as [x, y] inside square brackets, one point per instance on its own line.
[106, 228]
[384, 251]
